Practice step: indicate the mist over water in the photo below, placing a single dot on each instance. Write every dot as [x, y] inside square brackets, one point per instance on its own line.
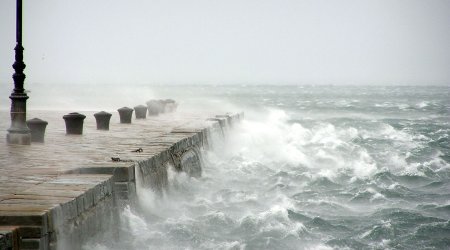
[310, 168]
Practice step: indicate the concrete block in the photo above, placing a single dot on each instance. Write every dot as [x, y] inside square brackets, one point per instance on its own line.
[30, 243]
[30, 232]
[25, 218]
[121, 186]
[69, 210]
[191, 164]
[80, 204]
[9, 237]
[88, 199]
[55, 218]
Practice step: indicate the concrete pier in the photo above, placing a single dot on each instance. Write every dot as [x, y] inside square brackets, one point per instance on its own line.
[55, 194]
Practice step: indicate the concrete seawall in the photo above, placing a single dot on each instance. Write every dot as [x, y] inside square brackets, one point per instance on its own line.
[57, 194]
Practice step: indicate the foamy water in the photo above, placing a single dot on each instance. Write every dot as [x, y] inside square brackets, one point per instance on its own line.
[310, 168]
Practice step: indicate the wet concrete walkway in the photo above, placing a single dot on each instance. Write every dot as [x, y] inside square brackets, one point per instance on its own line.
[35, 179]
[22, 167]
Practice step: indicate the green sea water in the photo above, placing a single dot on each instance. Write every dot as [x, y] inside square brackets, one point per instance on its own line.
[311, 167]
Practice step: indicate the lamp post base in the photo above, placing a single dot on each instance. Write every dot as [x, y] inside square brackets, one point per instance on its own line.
[18, 138]
[19, 133]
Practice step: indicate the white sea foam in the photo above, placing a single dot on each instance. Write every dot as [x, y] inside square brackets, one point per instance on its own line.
[323, 147]
[422, 104]
[283, 181]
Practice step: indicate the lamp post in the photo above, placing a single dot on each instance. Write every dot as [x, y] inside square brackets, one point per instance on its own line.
[18, 133]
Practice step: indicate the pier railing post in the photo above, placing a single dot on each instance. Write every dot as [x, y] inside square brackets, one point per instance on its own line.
[19, 133]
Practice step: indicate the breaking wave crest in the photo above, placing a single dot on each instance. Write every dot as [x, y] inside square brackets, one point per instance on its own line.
[283, 181]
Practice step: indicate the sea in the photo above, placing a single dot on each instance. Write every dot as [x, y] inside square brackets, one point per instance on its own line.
[310, 167]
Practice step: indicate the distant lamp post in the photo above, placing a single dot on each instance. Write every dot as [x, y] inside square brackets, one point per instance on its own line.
[19, 133]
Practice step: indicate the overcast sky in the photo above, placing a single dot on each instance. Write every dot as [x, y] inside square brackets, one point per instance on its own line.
[230, 41]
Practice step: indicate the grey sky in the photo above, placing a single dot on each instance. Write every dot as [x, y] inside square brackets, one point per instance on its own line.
[230, 41]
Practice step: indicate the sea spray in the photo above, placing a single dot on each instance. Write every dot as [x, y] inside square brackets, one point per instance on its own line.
[335, 168]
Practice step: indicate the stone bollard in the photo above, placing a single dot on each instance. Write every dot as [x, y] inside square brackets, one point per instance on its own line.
[102, 118]
[125, 114]
[140, 112]
[154, 107]
[74, 123]
[37, 129]
[170, 105]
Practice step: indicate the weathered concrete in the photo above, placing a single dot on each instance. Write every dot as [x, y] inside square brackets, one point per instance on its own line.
[54, 195]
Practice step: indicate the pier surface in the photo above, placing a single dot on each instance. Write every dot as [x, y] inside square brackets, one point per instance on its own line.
[41, 182]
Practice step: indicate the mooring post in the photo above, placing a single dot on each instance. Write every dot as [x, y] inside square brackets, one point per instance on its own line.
[74, 123]
[140, 112]
[37, 128]
[19, 133]
[153, 107]
[125, 114]
[102, 118]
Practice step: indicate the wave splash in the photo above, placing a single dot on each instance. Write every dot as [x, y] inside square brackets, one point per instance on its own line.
[284, 183]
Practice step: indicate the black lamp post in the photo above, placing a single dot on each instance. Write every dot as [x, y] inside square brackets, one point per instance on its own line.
[19, 133]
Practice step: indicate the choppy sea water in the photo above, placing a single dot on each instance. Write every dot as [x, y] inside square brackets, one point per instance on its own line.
[311, 167]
